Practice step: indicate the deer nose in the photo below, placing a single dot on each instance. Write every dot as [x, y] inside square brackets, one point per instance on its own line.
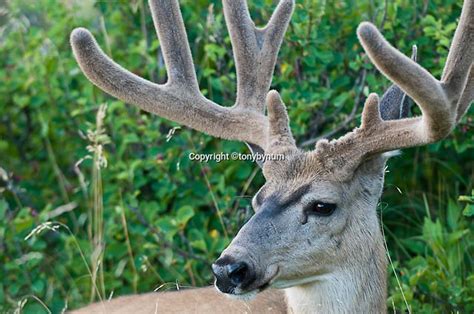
[231, 275]
[237, 272]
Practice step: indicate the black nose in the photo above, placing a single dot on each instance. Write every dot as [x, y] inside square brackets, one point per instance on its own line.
[230, 274]
[237, 272]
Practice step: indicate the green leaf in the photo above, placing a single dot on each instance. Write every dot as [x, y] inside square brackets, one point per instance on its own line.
[468, 210]
[184, 214]
[452, 215]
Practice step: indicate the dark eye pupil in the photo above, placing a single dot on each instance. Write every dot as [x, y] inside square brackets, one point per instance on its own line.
[321, 208]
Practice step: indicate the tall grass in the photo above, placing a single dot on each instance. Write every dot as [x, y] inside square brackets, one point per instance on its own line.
[98, 138]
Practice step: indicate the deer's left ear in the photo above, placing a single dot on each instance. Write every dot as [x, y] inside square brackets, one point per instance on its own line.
[395, 104]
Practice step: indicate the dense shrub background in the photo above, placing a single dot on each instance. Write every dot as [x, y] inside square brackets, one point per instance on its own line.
[161, 224]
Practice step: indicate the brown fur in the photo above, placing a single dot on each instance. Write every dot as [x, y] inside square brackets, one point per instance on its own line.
[202, 300]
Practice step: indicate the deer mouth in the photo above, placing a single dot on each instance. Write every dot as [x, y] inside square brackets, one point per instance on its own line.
[288, 283]
[270, 281]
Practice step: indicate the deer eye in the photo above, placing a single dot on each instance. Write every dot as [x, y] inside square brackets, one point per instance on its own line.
[320, 208]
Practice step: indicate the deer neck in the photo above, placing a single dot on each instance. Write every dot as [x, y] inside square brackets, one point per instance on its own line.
[357, 287]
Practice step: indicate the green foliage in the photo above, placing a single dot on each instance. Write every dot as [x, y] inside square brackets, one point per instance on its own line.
[435, 278]
[469, 209]
[165, 218]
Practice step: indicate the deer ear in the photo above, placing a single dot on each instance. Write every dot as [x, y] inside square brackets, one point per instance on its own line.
[256, 150]
[395, 103]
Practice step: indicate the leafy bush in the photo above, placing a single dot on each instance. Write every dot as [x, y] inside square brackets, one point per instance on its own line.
[437, 277]
[166, 218]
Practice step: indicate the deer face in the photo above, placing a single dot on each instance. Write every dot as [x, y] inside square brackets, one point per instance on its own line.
[304, 227]
[316, 212]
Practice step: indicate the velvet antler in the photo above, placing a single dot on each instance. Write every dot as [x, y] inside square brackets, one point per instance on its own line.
[442, 102]
[180, 100]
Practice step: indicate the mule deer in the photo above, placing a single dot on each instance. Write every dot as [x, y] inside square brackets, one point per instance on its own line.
[315, 231]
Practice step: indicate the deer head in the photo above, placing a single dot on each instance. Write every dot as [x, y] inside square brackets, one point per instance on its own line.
[315, 216]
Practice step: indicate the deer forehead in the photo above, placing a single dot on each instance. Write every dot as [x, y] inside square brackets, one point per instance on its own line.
[299, 167]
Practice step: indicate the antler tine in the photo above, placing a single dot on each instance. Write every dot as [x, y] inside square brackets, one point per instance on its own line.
[457, 64]
[461, 55]
[174, 43]
[255, 50]
[467, 96]
[279, 137]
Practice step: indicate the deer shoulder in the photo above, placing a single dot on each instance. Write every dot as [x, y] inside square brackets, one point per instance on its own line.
[202, 300]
